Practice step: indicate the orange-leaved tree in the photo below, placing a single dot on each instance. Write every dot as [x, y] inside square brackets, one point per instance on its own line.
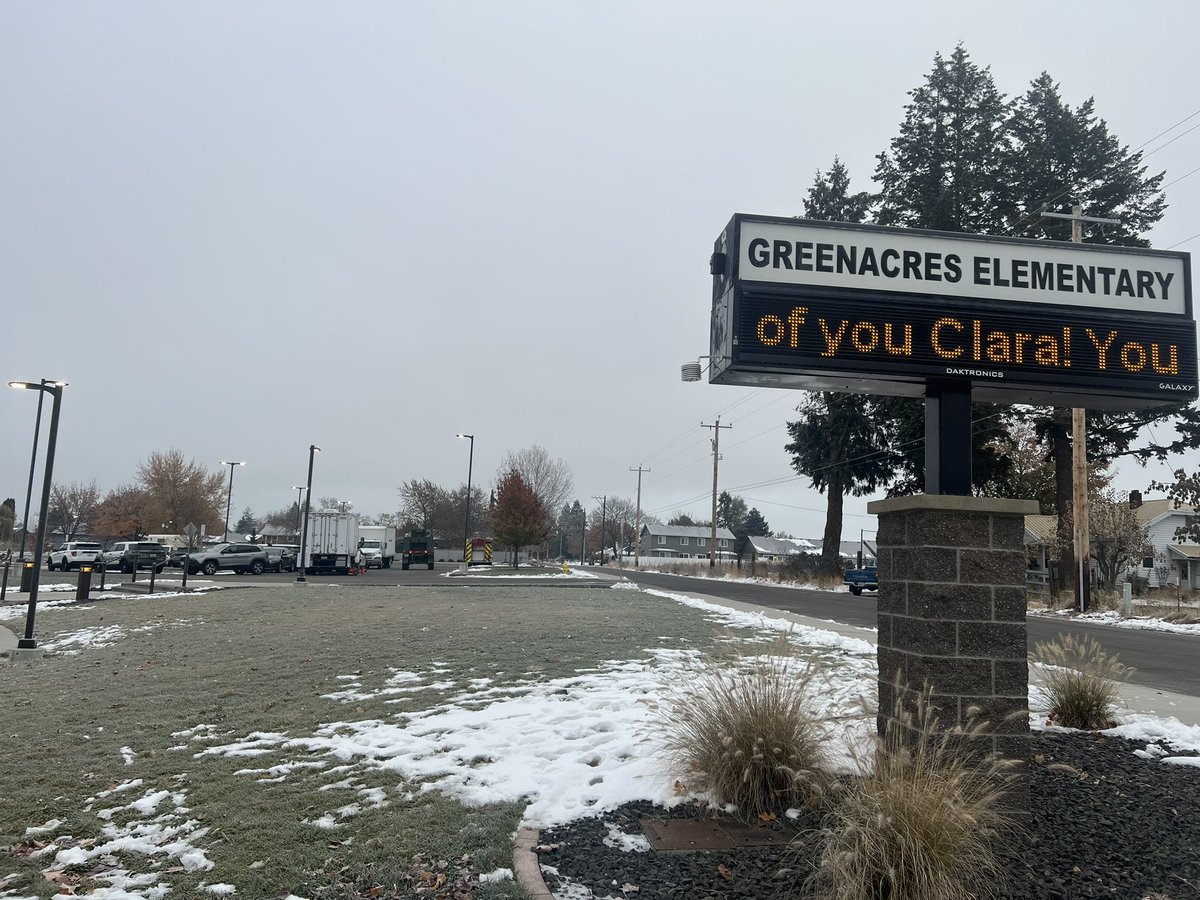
[518, 519]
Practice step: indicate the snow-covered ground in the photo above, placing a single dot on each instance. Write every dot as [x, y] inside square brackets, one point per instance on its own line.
[1116, 620]
[573, 746]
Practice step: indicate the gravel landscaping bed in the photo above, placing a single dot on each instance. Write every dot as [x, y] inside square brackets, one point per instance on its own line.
[1114, 824]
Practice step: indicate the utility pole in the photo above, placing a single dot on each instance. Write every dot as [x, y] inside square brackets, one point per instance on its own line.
[637, 537]
[716, 443]
[1079, 496]
[603, 515]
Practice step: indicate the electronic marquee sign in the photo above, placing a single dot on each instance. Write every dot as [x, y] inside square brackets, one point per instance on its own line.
[830, 306]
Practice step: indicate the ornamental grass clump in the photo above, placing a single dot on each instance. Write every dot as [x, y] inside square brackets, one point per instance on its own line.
[1081, 680]
[925, 821]
[748, 735]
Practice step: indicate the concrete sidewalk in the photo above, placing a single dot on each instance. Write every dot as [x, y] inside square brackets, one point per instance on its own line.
[8, 640]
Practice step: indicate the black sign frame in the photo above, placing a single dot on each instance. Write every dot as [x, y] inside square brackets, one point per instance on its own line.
[759, 338]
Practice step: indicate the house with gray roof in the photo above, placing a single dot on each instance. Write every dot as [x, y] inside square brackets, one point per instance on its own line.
[686, 541]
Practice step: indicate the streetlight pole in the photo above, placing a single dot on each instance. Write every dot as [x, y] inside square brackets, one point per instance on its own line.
[299, 501]
[229, 499]
[313, 449]
[54, 389]
[37, 426]
[467, 524]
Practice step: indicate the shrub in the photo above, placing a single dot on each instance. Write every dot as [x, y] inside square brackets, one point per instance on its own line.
[1080, 679]
[747, 735]
[924, 823]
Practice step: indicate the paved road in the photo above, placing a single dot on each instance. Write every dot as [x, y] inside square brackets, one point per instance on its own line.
[1163, 660]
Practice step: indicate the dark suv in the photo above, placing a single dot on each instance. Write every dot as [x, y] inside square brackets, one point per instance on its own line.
[238, 557]
[128, 555]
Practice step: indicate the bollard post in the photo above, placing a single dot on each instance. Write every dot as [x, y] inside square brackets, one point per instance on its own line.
[1127, 600]
[153, 572]
[4, 584]
[84, 586]
[27, 576]
[102, 572]
[134, 568]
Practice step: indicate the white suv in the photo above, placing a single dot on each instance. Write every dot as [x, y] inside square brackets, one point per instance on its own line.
[72, 555]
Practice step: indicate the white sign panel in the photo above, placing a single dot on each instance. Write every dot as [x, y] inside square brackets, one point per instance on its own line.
[955, 266]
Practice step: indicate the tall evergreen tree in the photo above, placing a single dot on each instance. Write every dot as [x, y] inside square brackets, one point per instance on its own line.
[835, 430]
[830, 199]
[754, 524]
[842, 447]
[943, 169]
[731, 512]
[1062, 157]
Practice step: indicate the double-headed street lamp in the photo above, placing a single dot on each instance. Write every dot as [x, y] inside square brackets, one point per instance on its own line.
[54, 389]
[467, 523]
[37, 427]
[313, 450]
[229, 499]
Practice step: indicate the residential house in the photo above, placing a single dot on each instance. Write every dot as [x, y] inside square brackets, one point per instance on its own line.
[848, 551]
[1041, 534]
[685, 541]
[1170, 560]
[761, 548]
[1167, 561]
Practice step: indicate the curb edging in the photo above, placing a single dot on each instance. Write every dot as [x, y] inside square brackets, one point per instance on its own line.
[525, 864]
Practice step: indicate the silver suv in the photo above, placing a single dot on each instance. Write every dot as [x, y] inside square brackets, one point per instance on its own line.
[72, 555]
[130, 555]
[238, 557]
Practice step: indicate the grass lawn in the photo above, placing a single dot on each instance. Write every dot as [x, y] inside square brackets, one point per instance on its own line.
[157, 729]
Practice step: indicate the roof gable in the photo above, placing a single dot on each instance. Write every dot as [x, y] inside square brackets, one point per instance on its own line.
[697, 531]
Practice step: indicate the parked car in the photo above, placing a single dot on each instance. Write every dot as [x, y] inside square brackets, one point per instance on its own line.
[72, 555]
[864, 579]
[236, 557]
[176, 556]
[280, 559]
[130, 555]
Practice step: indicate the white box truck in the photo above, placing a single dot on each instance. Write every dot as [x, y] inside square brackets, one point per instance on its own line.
[332, 542]
[378, 545]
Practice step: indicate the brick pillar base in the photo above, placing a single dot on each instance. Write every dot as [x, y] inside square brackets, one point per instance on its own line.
[952, 616]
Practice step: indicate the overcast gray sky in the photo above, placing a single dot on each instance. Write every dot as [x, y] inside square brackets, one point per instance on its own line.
[238, 229]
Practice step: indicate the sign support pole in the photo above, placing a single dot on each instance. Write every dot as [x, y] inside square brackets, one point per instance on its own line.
[948, 437]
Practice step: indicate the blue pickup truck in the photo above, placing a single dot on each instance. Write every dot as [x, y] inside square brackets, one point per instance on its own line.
[859, 580]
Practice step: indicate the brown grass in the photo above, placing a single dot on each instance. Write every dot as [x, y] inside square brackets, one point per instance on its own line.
[924, 823]
[747, 735]
[1081, 679]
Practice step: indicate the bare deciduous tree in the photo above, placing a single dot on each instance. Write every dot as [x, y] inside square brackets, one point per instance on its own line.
[549, 479]
[1117, 538]
[423, 501]
[72, 506]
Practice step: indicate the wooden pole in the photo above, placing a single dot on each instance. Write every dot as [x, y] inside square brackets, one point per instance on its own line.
[637, 537]
[716, 428]
[1079, 473]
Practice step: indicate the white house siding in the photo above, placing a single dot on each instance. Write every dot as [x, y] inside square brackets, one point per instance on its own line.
[1161, 535]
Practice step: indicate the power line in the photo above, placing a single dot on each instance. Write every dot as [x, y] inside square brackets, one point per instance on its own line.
[1067, 191]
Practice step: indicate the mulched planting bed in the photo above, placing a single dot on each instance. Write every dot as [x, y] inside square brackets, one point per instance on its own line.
[1113, 825]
